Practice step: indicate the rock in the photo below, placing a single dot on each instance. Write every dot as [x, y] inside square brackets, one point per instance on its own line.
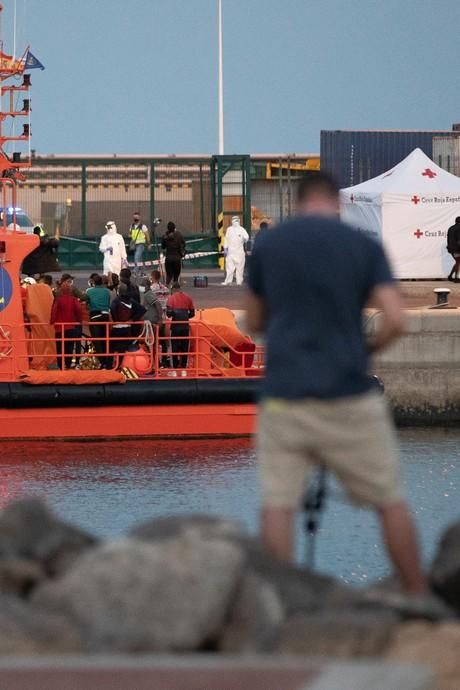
[28, 530]
[254, 619]
[26, 630]
[133, 596]
[300, 590]
[19, 576]
[337, 632]
[435, 645]
[408, 606]
[204, 526]
[445, 571]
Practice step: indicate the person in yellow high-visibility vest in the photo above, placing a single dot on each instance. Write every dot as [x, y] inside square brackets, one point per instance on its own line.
[139, 239]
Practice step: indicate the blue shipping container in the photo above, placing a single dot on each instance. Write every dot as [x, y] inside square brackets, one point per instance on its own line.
[356, 156]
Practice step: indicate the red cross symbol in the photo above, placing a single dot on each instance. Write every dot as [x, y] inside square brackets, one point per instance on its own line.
[429, 173]
[418, 234]
[415, 199]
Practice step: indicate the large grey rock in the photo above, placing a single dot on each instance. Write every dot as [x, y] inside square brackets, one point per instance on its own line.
[19, 576]
[134, 596]
[255, 618]
[445, 571]
[28, 530]
[337, 633]
[26, 630]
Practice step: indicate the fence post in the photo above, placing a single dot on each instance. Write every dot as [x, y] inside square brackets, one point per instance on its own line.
[152, 195]
[280, 181]
[83, 199]
[201, 198]
[247, 216]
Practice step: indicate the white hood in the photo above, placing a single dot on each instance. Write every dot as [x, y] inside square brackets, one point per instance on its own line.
[111, 228]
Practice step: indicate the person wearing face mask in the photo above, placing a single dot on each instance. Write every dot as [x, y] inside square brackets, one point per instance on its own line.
[112, 246]
[235, 239]
[139, 238]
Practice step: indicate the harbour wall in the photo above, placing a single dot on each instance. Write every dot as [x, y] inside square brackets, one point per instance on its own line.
[421, 371]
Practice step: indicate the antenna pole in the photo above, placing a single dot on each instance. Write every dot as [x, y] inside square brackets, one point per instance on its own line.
[14, 29]
[221, 84]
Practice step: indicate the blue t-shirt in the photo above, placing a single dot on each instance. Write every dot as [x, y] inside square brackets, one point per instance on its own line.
[315, 275]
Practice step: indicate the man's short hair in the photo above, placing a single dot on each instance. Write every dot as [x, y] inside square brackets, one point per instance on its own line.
[457, 220]
[97, 279]
[317, 182]
[125, 275]
[156, 275]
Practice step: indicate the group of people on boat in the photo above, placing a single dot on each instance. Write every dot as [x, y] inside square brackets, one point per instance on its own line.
[94, 328]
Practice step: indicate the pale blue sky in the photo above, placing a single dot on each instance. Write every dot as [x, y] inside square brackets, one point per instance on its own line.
[140, 76]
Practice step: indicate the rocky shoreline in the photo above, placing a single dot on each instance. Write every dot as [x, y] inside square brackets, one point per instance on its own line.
[199, 584]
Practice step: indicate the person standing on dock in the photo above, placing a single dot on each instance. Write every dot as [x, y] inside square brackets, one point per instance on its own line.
[319, 407]
[453, 247]
[112, 246]
[174, 247]
[139, 239]
[235, 241]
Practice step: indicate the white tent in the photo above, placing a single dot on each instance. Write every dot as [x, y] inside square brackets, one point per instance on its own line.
[409, 209]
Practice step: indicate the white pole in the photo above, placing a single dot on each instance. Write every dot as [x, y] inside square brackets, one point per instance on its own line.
[221, 87]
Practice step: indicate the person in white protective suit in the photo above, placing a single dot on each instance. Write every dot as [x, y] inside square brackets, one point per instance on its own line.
[235, 238]
[112, 246]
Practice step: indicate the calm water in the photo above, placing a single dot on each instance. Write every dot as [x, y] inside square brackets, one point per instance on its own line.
[107, 487]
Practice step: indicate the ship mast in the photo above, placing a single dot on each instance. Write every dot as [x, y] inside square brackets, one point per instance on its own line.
[12, 166]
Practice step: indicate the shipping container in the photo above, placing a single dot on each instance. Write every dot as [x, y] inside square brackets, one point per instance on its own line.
[356, 156]
[446, 153]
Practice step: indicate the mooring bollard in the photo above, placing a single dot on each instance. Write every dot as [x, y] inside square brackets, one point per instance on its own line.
[442, 296]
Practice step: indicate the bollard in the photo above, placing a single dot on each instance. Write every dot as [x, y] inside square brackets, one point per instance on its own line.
[442, 296]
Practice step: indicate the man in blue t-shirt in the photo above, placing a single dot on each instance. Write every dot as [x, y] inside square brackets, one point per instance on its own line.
[309, 281]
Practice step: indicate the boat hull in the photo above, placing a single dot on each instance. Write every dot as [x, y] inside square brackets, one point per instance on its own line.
[129, 421]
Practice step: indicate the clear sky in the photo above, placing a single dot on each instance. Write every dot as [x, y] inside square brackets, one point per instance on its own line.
[140, 76]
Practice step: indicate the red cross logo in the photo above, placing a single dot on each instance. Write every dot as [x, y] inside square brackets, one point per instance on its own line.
[418, 234]
[415, 199]
[429, 173]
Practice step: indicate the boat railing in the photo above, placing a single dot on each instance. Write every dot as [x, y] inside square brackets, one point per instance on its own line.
[141, 349]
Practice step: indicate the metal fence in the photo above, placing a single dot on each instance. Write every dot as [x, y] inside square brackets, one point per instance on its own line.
[79, 195]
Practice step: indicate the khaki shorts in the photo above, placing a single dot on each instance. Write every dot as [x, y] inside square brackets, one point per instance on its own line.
[352, 437]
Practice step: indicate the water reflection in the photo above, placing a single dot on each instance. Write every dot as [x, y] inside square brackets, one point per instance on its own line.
[107, 487]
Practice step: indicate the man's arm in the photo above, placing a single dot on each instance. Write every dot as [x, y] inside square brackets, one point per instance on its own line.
[387, 299]
[255, 313]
